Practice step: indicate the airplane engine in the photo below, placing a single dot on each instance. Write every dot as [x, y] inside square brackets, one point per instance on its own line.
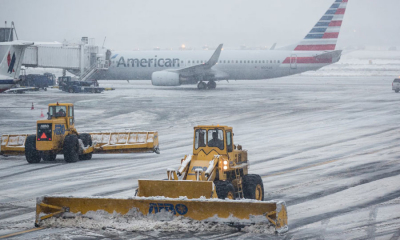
[163, 78]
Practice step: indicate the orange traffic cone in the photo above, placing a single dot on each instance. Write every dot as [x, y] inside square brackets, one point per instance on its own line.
[41, 114]
[32, 107]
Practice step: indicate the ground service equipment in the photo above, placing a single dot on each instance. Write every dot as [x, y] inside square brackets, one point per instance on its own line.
[67, 84]
[211, 185]
[57, 135]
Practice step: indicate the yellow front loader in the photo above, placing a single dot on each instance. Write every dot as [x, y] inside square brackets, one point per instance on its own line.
[213, 184]
[57, 135]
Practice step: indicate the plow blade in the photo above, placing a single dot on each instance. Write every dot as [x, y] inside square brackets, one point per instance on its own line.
[111, 142]
[238, 213]
[13, 144]
[125, 142]
[175, 189]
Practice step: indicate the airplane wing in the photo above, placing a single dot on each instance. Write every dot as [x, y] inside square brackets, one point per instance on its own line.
[201, 69]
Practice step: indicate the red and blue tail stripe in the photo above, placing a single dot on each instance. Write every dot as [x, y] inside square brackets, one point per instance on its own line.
[324, 35]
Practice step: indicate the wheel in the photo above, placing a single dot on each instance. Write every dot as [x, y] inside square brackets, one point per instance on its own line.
[253, 187]
[202, 85]
[93, 90]
[31, 154]
[71, 90]
[396, 90]
[211, 85]
[45, 89]
[87, 141]
[225, 190]
[71, 148]
[49, 157]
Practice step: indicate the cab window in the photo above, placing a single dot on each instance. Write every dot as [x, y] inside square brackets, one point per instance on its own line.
[71, 115]
[57, 111]
[200, 139]
[229, 141]
[216, 138]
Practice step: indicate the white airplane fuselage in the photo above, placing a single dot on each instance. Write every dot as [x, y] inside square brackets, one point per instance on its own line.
[232, 64]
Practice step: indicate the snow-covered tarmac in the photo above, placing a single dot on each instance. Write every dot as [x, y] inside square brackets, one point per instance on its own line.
[328, 146]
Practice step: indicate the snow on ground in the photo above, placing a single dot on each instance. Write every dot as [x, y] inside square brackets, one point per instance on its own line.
[325, 143]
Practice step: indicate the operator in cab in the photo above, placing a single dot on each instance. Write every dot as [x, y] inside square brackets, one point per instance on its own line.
[215, 141]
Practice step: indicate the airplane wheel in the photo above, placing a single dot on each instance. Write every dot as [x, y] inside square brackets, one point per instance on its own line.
[202, 85]
[211, 85]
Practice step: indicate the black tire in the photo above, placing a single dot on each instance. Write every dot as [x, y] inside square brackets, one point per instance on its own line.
[49, 157]
[396, 91]
[225, 189]
[253, 187]
[71, 90]
[202, 86]
[71, 148]
[31, 154]
[87, 141]
[211, 85]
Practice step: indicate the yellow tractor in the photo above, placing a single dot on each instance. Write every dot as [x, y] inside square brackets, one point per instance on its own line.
[215, 160]
[57, 135]
[212, 185]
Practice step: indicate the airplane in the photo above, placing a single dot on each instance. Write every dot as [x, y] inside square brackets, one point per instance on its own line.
[174, 68]
[10, 65]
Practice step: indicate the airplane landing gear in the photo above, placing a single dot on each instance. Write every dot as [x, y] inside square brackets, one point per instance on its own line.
[211, 85]
[202, 85]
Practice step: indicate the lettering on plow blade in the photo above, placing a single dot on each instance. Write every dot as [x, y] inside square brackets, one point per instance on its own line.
[178, 208]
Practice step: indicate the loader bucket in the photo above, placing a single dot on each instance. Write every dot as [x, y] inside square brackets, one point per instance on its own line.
[13, 144]
[176, 189]
[233, 212]
[125, 142]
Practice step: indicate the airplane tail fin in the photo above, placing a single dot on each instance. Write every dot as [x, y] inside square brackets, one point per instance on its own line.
[324, 35]
[11, 63]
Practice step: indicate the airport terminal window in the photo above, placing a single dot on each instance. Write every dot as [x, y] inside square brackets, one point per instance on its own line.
[200, 139]
[216, 138]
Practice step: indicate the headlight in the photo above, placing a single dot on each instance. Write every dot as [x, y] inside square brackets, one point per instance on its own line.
[225, 162]
[225, 167]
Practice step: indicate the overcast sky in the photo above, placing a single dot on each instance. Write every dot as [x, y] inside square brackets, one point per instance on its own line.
[145, 24]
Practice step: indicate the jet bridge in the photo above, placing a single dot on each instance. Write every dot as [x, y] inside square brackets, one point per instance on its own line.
[83, 59]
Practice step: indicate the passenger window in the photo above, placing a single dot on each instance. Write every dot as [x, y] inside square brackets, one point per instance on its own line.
[271, 61]
[240, 61]
[263, 61]
[279, 61]
[224, 61]
[228, 61]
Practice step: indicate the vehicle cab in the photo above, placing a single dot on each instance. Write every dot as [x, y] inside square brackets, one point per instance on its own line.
[60, 122]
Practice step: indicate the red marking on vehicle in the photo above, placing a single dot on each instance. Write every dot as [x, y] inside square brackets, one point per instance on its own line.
[315, 47]
[43, 136]
[305, 60]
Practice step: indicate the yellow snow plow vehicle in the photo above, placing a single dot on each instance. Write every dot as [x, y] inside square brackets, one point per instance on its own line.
[212, 185]
[57, 135]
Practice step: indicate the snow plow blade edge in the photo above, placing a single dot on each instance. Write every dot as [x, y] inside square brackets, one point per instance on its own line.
[233, 212]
